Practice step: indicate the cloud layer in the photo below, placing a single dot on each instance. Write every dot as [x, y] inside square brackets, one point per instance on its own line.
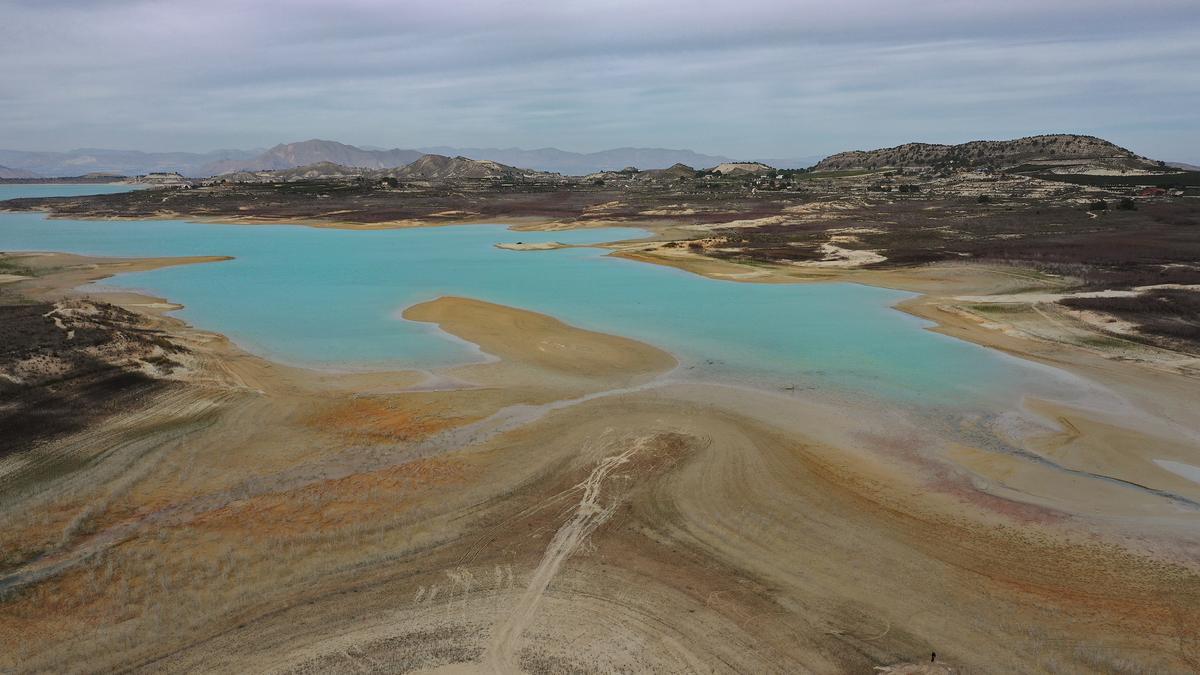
[747, 78]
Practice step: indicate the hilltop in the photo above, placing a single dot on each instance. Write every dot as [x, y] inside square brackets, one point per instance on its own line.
[1054, 149]
[674, 172]
[440, 167]
[736, 168]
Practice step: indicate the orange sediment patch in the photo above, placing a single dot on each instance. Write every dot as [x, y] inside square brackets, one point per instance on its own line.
[386, 419]
[330, 504]
[22, 540]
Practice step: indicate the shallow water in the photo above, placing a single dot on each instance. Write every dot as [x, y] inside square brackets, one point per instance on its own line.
[1188, 471]
[332, 298]
[12, 191]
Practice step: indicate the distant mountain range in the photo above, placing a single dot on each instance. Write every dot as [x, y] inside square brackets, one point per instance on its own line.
[425, 167]
[579, 164]
[120, 162]
[315, 151]
[292, 155]
[1057, 147]
[6, 172]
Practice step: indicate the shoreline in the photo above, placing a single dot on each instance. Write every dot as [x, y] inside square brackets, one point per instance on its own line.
[1125, 379]
[937, 294]
[936, 287]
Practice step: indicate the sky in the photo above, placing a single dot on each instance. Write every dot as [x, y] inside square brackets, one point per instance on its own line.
[741, 78]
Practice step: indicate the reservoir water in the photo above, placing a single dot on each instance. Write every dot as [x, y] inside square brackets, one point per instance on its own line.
[332, 298]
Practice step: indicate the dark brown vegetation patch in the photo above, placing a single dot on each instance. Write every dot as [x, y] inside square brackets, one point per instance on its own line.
[1158, 243]
[61, 376]
[1172, 314]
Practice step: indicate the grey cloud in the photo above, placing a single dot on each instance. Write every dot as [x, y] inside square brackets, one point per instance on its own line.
[755, 77]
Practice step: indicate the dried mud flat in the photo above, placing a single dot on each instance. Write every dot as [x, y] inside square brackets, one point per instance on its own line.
[567, 507]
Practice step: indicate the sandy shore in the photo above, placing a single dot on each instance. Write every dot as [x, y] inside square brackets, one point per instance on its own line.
[562, 507]
[516, 223]
[976, 303]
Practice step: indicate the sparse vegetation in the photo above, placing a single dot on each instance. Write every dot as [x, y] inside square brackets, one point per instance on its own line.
[1170, 313]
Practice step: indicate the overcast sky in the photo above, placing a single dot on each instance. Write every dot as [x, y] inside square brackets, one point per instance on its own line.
[744, 78]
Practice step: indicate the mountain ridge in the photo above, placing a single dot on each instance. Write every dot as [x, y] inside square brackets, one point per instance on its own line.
[303, 153]
[427, 167]
[8, 172]
[313, 151]
[584, 163]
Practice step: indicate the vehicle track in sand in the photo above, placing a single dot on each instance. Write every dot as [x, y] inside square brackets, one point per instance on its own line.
[590, 513]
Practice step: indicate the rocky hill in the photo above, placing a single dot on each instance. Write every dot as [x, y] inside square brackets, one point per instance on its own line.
[730, 168]
[440, 167]
[1048, 149]
[315, 151]
[673, 172]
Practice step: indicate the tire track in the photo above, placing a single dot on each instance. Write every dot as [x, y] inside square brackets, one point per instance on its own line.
[590, 513]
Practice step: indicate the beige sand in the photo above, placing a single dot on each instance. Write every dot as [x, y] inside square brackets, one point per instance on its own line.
[526, 246]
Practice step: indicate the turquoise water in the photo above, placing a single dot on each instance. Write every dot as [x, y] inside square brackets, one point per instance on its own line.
[12, 191]
[332, 298]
